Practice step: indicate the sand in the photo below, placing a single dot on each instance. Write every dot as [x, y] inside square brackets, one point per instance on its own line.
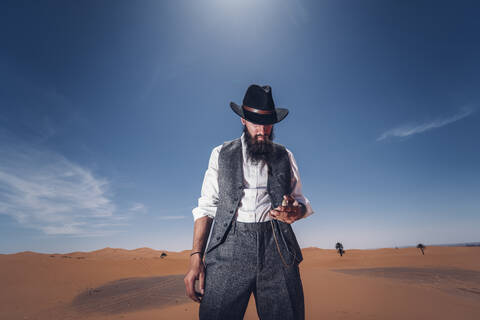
[139, 284]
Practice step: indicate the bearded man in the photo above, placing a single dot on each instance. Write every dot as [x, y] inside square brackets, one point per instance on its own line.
[252, 192]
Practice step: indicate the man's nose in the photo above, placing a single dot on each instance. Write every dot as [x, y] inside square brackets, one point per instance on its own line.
[262, 130]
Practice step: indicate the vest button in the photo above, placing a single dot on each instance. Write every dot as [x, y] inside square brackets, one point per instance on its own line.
[240, 187]
[236, 199]
[225, 224]
[231, 211]
[218, 238]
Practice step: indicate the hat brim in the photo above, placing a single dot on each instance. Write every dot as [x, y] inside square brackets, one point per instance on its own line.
[278, 115]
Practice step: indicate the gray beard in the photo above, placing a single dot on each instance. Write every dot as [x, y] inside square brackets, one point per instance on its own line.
[258, 151]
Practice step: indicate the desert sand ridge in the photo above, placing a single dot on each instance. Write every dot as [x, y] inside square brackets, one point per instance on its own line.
[107, 252]
[113, 283]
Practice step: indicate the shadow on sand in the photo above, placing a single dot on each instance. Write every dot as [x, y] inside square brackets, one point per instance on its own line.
[132, 294]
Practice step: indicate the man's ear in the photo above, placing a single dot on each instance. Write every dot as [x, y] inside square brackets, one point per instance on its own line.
[243, 121]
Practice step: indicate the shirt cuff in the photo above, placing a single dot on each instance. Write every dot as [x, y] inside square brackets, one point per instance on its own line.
[309, 211]
[199, 213]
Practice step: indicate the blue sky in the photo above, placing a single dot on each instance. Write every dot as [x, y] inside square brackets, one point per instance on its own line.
[109, 111]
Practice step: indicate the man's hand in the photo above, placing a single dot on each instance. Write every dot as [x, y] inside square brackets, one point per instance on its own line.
[290, 210]
[196, 272]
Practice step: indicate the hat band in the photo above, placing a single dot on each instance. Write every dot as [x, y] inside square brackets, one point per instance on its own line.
[257, 110]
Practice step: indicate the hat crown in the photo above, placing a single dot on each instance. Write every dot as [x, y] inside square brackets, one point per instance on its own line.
[259, 97]
[258, 106]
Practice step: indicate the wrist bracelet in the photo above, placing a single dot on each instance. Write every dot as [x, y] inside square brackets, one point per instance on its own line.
[201, 253]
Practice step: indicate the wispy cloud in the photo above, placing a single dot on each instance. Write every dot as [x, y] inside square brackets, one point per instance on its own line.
[175, 213]
[170, 217]
[138, 207]
[411, 129]
[43, 190]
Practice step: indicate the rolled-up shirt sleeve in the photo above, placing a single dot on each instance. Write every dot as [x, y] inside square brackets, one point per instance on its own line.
[208, 201]
[297, 186]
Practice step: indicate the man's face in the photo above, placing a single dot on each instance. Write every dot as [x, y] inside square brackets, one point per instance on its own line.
[259, 132]
[259, 140]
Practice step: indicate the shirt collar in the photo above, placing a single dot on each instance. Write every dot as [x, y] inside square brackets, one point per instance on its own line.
[244, 144]
[244, 148]
[243, 138]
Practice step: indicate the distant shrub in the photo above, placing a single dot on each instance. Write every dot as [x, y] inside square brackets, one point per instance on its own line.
[339, 247]
[421, 247]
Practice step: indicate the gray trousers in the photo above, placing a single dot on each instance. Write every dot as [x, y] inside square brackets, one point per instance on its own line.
[248, 261]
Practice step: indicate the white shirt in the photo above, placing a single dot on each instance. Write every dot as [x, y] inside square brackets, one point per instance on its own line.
[255, 203]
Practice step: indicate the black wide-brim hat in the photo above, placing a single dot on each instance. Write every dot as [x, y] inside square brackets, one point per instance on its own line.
[258, 106]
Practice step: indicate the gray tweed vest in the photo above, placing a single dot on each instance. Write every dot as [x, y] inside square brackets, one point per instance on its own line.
[230, 186]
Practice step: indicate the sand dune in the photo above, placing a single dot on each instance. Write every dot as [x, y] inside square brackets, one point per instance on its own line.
[138, 284]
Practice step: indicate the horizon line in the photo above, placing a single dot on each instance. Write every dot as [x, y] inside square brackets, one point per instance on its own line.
[456, 244]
